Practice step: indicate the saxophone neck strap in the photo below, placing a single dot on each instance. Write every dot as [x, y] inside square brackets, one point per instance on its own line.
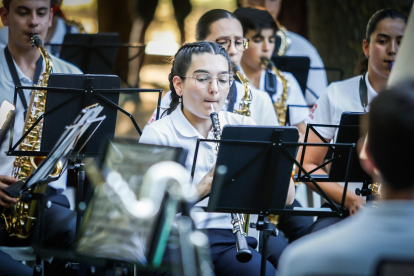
[232, 97]
[270, 83]
[15, 76]
[363, 92]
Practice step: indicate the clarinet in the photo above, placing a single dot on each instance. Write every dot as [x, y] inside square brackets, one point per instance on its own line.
[243, 254]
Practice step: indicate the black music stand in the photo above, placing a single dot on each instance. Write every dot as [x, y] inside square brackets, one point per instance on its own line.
[62, 149]
[299, 67]
[344, 156]
[258, 163]
[92, 53]
[96, 53]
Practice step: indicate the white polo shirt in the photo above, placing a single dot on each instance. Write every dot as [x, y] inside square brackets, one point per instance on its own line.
[176, 131]
[295, 97]
[7, 93]
[317, 80]
[261, 108]
[57, 38]
[339, 97]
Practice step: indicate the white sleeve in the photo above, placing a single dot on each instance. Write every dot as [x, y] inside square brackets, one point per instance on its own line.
[296, 114]
[152, 136]
[264, 113]
[321, 113]
[165, 104]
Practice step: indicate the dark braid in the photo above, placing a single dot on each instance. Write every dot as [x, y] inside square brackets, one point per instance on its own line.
[182, 62]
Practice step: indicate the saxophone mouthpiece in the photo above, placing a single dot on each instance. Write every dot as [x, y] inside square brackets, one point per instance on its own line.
[234, 67]
[36, 41]
[267, 63]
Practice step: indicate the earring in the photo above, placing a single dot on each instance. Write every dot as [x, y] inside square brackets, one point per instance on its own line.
[179, 99]
[367, 56]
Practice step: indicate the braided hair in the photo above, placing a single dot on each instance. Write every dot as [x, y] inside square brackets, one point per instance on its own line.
[182, 62]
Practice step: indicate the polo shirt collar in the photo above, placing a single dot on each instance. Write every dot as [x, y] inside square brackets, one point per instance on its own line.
[371, 92]
[185, 128]
[182, 125]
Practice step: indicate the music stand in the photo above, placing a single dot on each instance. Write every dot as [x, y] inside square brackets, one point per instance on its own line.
[298, 67]
[66, 143]
[253, 149]
[92, 53]
[96, 53]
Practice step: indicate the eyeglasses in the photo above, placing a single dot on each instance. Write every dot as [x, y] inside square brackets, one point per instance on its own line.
[241, 44]
[203, 80]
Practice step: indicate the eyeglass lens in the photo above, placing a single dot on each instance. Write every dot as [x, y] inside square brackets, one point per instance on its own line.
[240, 44]
[203, 80]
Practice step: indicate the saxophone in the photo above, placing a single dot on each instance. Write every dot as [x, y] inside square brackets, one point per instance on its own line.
[77, 24]
[245, 111]
[247, 98]
[285, 39]
[281, 106]
[20, 217]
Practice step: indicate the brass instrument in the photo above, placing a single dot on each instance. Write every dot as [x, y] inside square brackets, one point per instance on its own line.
[245, 111]
[281, 106]
[77, 24]
[19, 218]
[285, 39]
[247, 98]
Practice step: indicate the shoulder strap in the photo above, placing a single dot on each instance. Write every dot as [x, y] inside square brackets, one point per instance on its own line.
[15, 76]
[363, 92]
[270, 84]
[232, 97]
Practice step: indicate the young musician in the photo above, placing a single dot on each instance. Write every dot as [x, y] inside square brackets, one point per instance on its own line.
[224, 28]
[260, 28]
[383, 233]
[200, 78]
[56, 33]
[21, 65]
[298, 46]
[384, 32]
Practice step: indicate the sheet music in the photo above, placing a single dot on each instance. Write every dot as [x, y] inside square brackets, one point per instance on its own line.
[65, 144]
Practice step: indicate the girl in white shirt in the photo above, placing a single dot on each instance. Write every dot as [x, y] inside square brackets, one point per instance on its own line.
[384, 32]
[224, 28]
[200, 76]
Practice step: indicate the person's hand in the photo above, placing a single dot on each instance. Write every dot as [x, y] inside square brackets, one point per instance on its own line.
[205, 184]
[5, 181]
[357, 203]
